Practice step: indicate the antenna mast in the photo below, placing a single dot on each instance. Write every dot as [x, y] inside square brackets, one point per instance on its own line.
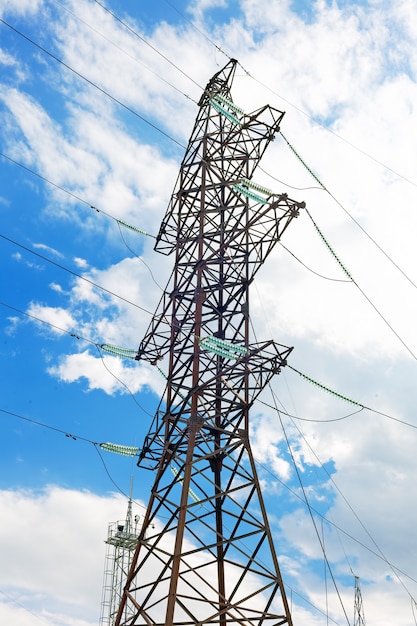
[211, 558]
[122, 538]
[359, 615]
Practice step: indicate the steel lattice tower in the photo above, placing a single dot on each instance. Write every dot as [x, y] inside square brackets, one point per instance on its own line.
[211, 558]
[122, 539]
[359, 616]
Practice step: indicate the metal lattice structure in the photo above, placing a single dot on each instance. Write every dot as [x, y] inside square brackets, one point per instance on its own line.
[359, 615]
[211, 558]
[122, 539]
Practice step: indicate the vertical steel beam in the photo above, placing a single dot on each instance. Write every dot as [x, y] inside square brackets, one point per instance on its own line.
[211, 560]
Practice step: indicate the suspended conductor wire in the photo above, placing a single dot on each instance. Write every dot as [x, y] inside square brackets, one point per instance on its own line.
[120, 223]
[309, 508]
[78, 336]
[125, 51]
[92, 84]
[325, 561]
[291, 104]
[58, 430]
[303, 162]
[141, 259]
[281, 182]
[69, 435]
[62, 267]
[345, 399]
[380, 552]
[131, 30]
[22, 606]
[119, 489]
[315, 421]
[130, 392]
[413, 610]
[337, 280]
[54, 326]
[345, 271]
[78, 198]
[198, 30]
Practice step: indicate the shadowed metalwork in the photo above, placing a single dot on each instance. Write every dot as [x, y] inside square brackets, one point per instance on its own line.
[210, 558]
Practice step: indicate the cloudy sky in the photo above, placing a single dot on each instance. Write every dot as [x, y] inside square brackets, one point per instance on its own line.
[97, 103]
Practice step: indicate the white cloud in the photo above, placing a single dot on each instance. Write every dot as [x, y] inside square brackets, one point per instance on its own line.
[49, 249]
[347, 67]
[56, 574]
[56, 287]
[20, 7]
[7, 59]
[113, 377]
[81, 263]
[56, 316]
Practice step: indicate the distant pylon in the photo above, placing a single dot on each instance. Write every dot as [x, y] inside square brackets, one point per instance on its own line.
[359, 615]
[211, 559]
[122, 538]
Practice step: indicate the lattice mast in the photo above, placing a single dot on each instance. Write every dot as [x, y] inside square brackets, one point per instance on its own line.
[122, 538]
[211, 558]
[359, 614]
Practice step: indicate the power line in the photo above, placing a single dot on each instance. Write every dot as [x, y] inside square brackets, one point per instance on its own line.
[80, 276]
[76, 335]
[73, 195]
[73, 437]
[360, 406]
[92, 84]
[311, 172]
[49, 427]
[125, 51]
[296, 495]
[289, 102]
[336, 280]
[336, 258]
[22, 606]
[346, 399]
[310, 510]
[181, 145]
[136, 34]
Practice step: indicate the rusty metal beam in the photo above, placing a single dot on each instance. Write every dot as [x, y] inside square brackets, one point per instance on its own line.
[210, 559]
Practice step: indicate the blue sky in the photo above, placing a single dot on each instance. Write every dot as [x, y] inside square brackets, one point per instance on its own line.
[109, 133]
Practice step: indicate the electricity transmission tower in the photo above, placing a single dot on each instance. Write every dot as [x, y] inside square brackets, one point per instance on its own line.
[210, 558]
[359, 615]
[122, 538]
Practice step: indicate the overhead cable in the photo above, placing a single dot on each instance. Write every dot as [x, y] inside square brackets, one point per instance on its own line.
[80, 276]
[290, 103]
[90, 82]
[77, 197]
[125, 51]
